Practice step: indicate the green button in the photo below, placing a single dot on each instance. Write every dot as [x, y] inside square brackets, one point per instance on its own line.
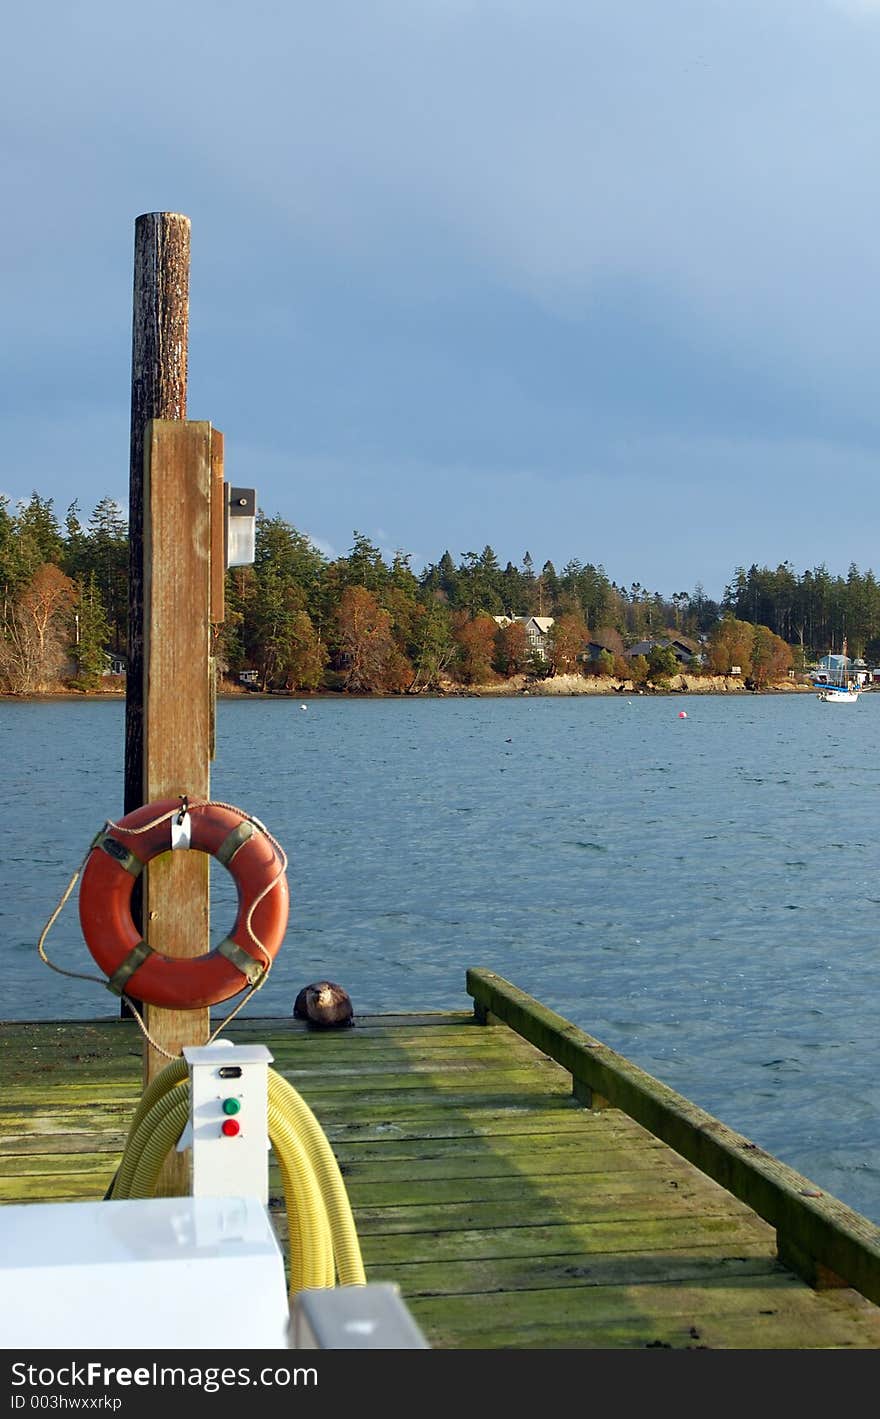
[231, 1106]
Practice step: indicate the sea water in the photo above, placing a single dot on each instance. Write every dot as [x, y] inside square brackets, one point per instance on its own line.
[697, 891]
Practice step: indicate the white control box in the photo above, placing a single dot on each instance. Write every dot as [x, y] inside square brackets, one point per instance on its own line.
[228, 1129]
[185, 1273]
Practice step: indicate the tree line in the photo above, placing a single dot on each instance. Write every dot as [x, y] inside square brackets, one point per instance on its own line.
[299, 620]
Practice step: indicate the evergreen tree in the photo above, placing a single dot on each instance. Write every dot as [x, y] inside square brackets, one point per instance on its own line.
[39, 534]
[433, 646]
[91, 633]
[662, 663]
[270, 625]
[8, 560]
[306, 657]
[515, 591]
[73, 557]
[104, 552]
[477, 577]
[294, 558]
[448, 577]
[703, 610]
[365, 566]
[548, 590]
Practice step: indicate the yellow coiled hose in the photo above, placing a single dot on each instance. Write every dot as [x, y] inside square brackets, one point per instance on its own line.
[323, 1246]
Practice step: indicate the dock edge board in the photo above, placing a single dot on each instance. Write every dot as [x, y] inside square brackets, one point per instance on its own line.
[817, 1236]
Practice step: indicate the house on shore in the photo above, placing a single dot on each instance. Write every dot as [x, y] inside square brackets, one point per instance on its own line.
[537, 631]
[114, 663]
[685, 650]
[598, 646]
[842, 668]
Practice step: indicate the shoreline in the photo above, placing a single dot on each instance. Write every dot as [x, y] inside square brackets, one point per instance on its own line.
[518, 687]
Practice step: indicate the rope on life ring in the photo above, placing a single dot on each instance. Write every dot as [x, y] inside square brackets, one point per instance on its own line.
[116, 858]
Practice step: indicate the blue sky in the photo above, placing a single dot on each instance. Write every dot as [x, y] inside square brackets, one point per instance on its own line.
[582, 279]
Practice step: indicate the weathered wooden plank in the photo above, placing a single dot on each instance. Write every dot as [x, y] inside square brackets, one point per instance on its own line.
[32, 1045]
[218, 538]
[399, 1103]
[512, 1135]
[623, 1189]
[91, 1064]
[503, 1156]
[692, 1214]
[735, 1314]
[619, 1195]
[394, 1074]
[477, 1177]
[122, 1060]
[437, 1038]
[393, 1022]
[560, 1239]
[58, 1187]
[43, 1118]
[178, 703]
[47, 1138]
[54, 1131]
[374, 1052]
[484, 1080]
[477, 1275]
[71, 1093]
[480, 1079]
[50, 1044]
[54, 1143]
[434, 1123]
[539, 1157]
[38, 1165]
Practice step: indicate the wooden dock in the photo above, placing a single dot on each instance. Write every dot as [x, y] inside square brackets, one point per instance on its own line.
[523, 1185]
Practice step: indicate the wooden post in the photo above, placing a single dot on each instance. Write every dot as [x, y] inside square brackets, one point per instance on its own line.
[178, 698]
[159, 356]
[168, 710]
[159, 359]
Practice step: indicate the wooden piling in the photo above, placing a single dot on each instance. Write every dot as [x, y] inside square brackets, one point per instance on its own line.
[159, 365]
[168, 720]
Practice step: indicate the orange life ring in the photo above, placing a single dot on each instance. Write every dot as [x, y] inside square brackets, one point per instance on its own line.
[116, 859]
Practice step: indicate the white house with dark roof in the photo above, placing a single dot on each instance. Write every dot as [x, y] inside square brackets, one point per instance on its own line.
[537, 631]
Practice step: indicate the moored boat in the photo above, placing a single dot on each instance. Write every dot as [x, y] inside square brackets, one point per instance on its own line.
[839, 694]
[844, 688]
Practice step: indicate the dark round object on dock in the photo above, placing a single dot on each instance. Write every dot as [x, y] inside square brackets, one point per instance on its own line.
[324, 1004]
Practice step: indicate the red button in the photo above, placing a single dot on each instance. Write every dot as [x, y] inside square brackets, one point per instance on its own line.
[231, 1127]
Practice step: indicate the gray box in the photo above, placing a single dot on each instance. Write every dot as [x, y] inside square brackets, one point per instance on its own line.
[372, 1317]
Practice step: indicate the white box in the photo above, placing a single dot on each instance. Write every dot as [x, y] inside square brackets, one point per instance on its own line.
[186, 1273]
[223, 1075]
